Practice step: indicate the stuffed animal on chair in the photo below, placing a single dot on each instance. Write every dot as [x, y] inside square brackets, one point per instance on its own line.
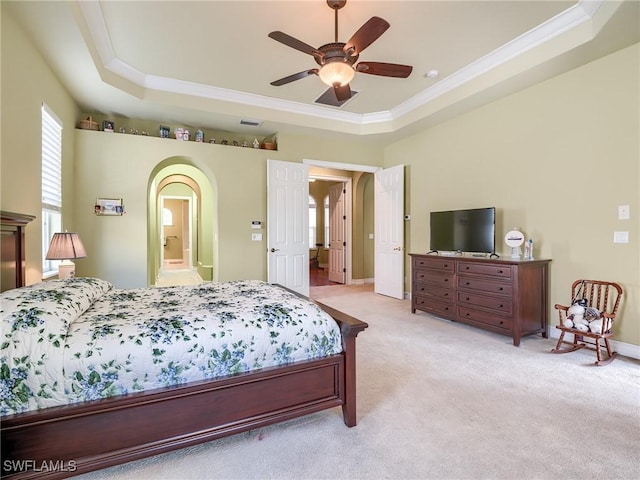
[593, 316]
[575, 318]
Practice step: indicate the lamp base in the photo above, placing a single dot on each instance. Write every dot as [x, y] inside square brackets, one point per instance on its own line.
[66, 269]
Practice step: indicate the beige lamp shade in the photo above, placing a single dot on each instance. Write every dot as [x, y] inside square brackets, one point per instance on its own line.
[65, 246]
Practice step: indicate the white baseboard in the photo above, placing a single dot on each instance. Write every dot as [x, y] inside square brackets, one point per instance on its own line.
[627, 349]
[362, 281]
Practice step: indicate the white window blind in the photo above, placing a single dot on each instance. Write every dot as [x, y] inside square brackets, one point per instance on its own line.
[51, 161]
[51, 185]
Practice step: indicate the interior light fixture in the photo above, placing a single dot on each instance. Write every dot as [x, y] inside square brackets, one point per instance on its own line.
[65, 246]
[336, 72]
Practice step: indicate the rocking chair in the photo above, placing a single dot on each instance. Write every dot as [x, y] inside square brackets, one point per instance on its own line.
[605, 298]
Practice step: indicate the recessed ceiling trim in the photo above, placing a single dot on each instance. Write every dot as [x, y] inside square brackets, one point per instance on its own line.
[571, 18]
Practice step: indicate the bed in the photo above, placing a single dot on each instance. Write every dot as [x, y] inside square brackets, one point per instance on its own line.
[107, 409]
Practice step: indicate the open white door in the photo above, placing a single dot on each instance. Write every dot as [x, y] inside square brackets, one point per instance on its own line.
[288, 225]
[337, 233]
[389, 232]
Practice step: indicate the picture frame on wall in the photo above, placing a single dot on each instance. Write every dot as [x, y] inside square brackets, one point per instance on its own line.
[109, 206]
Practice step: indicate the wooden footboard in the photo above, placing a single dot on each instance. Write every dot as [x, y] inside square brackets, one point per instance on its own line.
[64, 441]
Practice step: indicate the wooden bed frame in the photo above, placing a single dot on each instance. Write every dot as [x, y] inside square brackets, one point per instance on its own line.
[60, 442]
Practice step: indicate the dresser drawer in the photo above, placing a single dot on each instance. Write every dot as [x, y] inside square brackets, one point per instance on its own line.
[499, 304]
[499, 271]
[435, 278]
[437, 293]
[485, 318]
[434, 263]
[428, 304]
[481, 285]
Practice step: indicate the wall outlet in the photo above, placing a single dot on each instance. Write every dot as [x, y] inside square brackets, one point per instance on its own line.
[623, 212]
[256, 237]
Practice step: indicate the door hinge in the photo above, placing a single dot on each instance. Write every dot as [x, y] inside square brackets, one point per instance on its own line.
[344, 217]
[344, 270]
[344, 244]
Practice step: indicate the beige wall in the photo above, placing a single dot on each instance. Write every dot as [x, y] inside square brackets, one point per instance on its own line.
[556, 160]
[122, 165]
[27, 83]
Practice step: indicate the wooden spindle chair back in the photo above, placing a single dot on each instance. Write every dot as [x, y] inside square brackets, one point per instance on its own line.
[606, 298]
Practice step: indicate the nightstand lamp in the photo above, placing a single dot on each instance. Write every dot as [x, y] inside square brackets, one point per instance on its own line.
[66, 246]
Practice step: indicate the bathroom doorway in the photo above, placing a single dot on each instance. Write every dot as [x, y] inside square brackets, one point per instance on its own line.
[177, 240]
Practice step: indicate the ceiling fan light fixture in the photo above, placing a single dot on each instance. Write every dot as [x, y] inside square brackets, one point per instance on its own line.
[337, 72]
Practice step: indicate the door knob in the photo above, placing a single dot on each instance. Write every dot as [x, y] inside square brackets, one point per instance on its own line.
[274, 250]
[397, 249]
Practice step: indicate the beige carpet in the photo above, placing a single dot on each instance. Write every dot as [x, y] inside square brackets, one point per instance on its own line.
[168, 278]
[439, 400]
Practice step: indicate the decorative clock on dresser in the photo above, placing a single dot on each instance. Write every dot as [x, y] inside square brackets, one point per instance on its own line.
[507, 296]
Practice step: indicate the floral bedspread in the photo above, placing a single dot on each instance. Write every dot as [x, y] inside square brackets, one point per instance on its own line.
[67, 341]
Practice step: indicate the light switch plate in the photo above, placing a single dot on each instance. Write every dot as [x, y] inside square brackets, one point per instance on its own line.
[620, 237]
[256, 237]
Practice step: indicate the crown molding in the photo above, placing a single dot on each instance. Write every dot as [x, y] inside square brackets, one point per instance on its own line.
[561, 24]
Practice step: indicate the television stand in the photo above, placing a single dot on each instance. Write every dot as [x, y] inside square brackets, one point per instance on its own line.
[508, 296]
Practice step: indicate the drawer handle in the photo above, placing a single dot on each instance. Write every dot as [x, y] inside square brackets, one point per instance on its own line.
[446, 280]
[500, 288]
[422, 289]
[467, 314]
[445, 295]
[500, 322]
[499, 271]
[466, 268]
[446, 265]
[467, 283]
[500, 306]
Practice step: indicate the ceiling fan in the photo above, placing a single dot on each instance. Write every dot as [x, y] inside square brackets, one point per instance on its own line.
[337, 59]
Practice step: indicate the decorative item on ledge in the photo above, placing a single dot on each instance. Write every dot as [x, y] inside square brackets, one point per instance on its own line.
[109, 206]
[89, 124]
[180, 133]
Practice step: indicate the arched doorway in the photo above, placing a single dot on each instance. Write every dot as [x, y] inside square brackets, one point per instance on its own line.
[177, 178]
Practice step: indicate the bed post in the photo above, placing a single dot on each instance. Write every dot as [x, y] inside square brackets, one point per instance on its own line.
[350, 328]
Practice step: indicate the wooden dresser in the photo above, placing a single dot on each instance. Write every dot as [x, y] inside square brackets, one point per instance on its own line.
[501, 295]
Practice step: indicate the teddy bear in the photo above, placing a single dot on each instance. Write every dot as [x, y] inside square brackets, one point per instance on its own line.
[594, 317]
[575, 318]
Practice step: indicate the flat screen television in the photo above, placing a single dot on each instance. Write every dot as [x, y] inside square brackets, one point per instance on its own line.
[472, 231]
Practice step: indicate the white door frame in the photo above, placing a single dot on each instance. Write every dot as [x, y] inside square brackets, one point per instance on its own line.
[348, 198]
[161, 229]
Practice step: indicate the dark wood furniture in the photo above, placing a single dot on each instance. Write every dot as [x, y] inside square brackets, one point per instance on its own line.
[500, 295]
[604, 297]
[12, 226]
[60, 442]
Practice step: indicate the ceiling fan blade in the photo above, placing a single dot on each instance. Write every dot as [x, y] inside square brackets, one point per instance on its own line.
[342, 93]
[384, 69]
[289, 41]
[366, 35]
[294, 77]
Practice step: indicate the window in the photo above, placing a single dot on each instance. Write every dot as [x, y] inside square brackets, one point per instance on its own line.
[51, 185]
[167, 217]
[326, 222]
[312, 222]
